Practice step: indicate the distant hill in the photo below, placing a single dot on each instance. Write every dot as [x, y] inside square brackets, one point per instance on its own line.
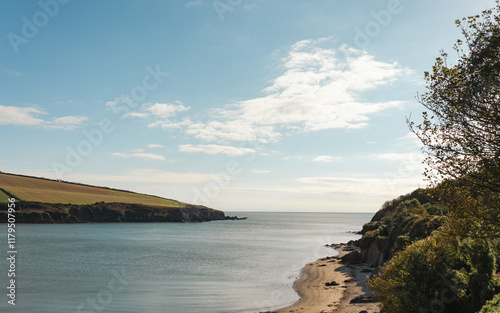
[42, 200]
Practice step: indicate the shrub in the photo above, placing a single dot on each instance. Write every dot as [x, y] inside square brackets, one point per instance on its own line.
[492, 306]
[414, 279]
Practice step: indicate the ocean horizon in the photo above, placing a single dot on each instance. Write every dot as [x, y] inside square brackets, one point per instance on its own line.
[213, 267]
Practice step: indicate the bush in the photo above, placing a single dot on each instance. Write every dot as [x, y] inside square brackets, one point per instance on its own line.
[417, 279]
[492, 306]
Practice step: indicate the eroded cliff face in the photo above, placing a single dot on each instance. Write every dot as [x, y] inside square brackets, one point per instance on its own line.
[36, 212]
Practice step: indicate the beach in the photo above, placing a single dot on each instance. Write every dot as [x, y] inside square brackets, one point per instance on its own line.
[327, 285]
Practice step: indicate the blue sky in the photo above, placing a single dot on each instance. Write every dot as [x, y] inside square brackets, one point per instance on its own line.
[253, 105]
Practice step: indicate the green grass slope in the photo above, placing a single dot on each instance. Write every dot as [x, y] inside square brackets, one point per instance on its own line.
[34, 189]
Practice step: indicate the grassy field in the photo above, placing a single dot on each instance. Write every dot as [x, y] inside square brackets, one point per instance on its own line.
[4, 197]
[48, 191]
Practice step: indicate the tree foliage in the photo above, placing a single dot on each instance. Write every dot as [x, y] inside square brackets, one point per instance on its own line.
[461, 129]
[460, 133]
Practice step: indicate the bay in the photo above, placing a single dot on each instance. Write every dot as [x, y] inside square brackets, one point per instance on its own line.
[214, 267]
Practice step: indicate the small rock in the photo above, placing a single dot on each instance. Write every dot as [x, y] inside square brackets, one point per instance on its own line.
[362, 299]
[332, 283]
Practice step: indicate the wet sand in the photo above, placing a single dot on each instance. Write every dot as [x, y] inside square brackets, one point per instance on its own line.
[327, 286]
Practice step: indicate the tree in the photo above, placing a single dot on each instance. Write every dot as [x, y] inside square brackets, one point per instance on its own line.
[461, 127]
[461, 131]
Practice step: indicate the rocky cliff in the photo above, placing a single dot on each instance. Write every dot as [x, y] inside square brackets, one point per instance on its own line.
[101, 212]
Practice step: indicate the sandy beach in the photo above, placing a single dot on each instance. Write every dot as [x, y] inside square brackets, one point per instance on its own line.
[327, 285]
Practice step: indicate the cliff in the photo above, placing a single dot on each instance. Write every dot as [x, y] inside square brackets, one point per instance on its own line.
[397, 224]
[101, 212]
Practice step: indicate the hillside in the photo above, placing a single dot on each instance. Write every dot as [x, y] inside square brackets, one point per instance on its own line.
[41, 200]
[35, 189]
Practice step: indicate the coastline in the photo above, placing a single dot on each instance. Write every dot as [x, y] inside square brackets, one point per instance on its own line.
[330, 285]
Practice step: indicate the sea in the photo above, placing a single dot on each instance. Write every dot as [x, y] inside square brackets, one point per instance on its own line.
[242, 266]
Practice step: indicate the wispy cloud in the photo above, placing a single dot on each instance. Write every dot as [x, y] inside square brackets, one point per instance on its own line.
[194, 4]
[28, 116]
[325, 159]
[216, 149]
[66, 122]
[11, 115]
[154, 145]
[320, 88]
[170, 125]
[383, 186]
[137, 114]
[13, 72]
[140, 155]
[165, 110]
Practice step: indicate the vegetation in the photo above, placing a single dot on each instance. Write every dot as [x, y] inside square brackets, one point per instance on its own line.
[3, 197]
[455, 267]
[492, 306]
[49, 191]
[406, 220]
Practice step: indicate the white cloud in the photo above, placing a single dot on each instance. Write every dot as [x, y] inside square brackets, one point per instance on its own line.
[320, 88]
[216, 149]
[11, 115]
[66, 122]
[139, 155]
[232, 130]
[137, 114]
[26, 116]
[325, 159]
[165, 110]
[154, 145]
[121, 104]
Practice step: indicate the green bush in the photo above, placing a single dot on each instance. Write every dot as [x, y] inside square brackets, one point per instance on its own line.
[492, 306]
[417, 279]
[438, 275]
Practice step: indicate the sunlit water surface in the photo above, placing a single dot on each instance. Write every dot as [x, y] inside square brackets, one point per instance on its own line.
[214, 267]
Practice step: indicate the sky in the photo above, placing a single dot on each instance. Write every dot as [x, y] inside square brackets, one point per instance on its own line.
[239, 105]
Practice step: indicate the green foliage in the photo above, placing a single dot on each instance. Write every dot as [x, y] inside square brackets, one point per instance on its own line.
[461, 136]
[415, 279]
[492, 306]
[480, 268]
[461, 129]
[408, 222]
[435, 274]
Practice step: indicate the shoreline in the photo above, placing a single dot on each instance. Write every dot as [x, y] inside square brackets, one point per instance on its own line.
[329, 286]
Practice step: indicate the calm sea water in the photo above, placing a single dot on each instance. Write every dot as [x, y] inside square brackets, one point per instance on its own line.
[214, 267]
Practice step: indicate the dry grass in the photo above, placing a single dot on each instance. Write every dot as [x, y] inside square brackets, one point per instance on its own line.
[41, 190]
